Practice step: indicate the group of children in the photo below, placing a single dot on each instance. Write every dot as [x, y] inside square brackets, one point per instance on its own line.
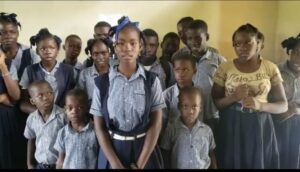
[126, 108]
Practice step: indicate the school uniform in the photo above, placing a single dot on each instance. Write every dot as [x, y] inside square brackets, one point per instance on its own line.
[61, 79]
[80, 148]
[45, 134]
[10, 131]
[287, 132]
[77, 69]
[189, 148]
[186, 50]
[246, 139]
[157, 68]
[126, 104]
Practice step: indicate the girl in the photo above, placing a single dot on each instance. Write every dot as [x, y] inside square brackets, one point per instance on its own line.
[127, 107]
[59, 75]
[240, 91]
[100, 52]
[287, 125]
[9, 133]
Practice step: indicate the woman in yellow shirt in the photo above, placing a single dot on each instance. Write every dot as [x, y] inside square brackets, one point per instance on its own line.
[240, 91]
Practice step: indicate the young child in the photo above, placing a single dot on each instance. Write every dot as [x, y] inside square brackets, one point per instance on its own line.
[127, 107]
[100, 51]
[189, 143]
[101, 30]
[59, 75]
[169, 45]
[184, 69]
[246, 137]
[76, 142]
[207, 64]
[150, 61]
[72, 49]
[42, 127]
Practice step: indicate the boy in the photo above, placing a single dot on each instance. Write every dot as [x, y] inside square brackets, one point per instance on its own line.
[42, 126]
[76, 142]
[151, 63]
[169, 46]
[184, 69]
[189, 143]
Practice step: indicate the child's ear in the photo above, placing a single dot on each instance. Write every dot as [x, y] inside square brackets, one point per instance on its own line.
[32, 101]
[207, 36]
[195, 70]
[64, 47]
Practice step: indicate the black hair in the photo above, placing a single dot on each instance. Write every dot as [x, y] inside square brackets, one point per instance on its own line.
[150, 32]
[37, 84]
[102, 24]
[76, 92]
[186, 56]
[189, 90]
[72, 36]
[248, 28]
[42, 35]
[9, 18]
[185, 20]
[171, 35]
[92, 42]
[260, 36]
[198, 24]
[290, 43]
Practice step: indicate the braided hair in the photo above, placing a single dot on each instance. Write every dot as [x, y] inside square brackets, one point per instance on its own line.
[42, 35]
[9, 18]
[290, 43]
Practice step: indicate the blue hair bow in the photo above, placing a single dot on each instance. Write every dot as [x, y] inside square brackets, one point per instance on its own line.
[124, 21]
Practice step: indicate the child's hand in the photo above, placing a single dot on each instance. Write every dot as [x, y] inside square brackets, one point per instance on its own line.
[241, 92]
[252, 103]
[31, 166]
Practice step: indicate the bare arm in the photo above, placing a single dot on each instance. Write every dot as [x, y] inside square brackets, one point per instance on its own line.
[151, 138]
[212, 155]
[25, 104]
[106, 144]
[30, 153]
[4, 99]
[60, 160]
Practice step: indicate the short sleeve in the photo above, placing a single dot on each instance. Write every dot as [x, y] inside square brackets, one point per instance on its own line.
[29, 132]
[59, 144]
[212, 144]
[165, 142]
[157, 99]
[96, 103]
[275, 76]
[25, 80]
[220, 75]
[81, 80]
[14, 73]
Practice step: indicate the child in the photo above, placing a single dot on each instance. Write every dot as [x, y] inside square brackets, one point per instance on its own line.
[100, 51]
[72, 48]
[184, 69]
[59, 75]
[127, 107]
[240, 91]
[149, 60]
[9, 128]
[189, 142]
[42, 127]
[169, 46]
[287, 124]
[76, 142]
[101, 30]
[207, 64]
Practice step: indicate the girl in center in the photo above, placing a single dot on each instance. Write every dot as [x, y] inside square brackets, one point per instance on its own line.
[127, 107]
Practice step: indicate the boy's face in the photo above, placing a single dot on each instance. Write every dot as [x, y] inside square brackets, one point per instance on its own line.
[170, 46]
[101, 32]
[196, 40]
[190, 108]
[9, 34]
[150, 48]
[73, 47]
[42, 96]
[184, 71]
[76, 109]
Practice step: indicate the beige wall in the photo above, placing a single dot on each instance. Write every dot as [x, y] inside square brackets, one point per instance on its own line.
[276, 19]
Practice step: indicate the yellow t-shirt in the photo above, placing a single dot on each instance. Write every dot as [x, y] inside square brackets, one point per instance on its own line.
[259, 82]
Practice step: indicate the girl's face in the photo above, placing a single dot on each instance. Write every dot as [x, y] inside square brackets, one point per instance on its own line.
[9, 34]
[245, 46]
[295, 58]
[47, 49]
[190, 108]
[128, 45]
[100, 54]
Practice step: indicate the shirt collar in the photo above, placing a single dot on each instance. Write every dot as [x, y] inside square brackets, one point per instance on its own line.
[286, 68]
[88, 126]
[114, 72]
[54, 69]
[205, 56]
[55, 111]
[197, 125]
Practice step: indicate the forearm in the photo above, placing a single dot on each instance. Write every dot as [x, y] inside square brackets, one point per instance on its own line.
[27, 107]
[224, 102]
[150, 140]
[274, 108]
[4, 99]
[12, 86]
[30, 153]
[213, 164]
[60, 160]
